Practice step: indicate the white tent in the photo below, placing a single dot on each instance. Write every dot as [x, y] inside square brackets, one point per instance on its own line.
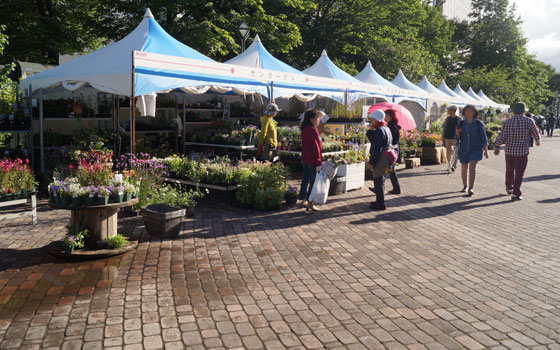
[461, 93]
[428, 87]
[415, 92]
[370, 76]
[486, 98]
[475, 97]
[109, 69]
[446, 89]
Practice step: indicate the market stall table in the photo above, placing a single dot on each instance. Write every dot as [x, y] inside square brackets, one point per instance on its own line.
[100, 220]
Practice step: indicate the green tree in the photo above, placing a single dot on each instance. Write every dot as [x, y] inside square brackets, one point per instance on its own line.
[5, 90]
[40, 30]
[495, 36]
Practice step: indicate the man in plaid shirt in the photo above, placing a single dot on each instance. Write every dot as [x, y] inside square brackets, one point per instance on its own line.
[516, 134]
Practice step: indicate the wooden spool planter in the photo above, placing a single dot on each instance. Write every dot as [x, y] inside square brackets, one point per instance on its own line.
[100, 220]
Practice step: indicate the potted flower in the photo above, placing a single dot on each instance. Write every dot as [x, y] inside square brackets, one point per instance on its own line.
[64, 196]
[103, 194]
[130, 191]
[291, 195]
[77, 192]
[89, 195]
[75, 238]
[117, 193]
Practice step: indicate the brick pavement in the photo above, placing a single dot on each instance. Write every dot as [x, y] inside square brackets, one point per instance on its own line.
[436, 271]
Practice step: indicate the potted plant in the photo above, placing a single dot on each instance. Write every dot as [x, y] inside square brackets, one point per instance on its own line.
[163, 220]
[103, 194]
[117, 193]
[75, 238]
[130, 191]
[116, 241]
[291, 195]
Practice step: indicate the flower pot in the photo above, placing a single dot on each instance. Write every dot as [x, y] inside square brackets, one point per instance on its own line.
[102, 200]
[76, 201]
[65, 201]
[128, 197]
[291, 200]
[117, 198]
[163, 220]
[69, 249]
[88, 200]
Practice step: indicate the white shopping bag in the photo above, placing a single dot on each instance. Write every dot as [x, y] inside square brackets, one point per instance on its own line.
[330, 169]
[320, 190]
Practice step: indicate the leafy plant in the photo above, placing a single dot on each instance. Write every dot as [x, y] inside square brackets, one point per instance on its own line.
[75, 236]
[15, 175]
[116, 241]
[177, 197]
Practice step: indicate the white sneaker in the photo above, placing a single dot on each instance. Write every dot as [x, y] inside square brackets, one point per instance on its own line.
[516, 198]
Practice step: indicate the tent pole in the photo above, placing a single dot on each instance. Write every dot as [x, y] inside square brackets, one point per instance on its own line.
[41, 139]
[271, 92]
[132, 113]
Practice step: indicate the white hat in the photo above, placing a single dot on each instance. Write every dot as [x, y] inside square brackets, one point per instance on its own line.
[453, 107]
[378, 115]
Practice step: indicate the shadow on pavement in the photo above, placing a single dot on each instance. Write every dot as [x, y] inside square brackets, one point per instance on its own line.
[542, 178]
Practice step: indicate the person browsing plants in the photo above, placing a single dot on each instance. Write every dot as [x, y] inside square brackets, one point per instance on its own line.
[382, 155]
[311, 156]
[268, 140]
[473, 143]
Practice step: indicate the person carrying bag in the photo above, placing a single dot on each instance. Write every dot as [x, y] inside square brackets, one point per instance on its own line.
[382, 156]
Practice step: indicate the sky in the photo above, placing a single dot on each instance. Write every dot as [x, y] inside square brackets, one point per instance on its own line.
[540, 25]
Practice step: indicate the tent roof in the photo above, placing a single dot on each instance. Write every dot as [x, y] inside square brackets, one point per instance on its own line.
[402, 82]
[461, 93]
[445, 89]
[370, 76]
[325, 68]
[257, 56]
[426, 85]
[482, 95]
[474, 96]
[109, 69]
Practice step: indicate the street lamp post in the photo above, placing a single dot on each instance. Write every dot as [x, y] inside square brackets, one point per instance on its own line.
[243, 32]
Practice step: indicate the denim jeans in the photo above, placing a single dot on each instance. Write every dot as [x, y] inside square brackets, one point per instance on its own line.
[394, 179]
[309, 174]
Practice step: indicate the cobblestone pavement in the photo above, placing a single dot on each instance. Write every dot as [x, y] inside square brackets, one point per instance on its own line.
[436, 271]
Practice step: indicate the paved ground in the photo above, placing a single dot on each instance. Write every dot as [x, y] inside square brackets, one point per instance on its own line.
[436, 271]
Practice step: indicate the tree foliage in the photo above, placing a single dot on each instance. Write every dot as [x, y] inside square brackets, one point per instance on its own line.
[488, 52]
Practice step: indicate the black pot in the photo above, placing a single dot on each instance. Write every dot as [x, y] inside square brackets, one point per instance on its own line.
[163, 220]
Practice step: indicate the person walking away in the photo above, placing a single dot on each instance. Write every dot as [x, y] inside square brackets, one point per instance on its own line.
[311, 155]
[550, 125]
[515, 134]
[473, 143]
[380, 138]
[530, 116]
[448, 130]
[268, 140]
[392, 124]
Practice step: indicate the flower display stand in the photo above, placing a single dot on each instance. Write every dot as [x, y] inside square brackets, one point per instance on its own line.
[100, 220]
[433, 155]
[355, 175]
[31, 212]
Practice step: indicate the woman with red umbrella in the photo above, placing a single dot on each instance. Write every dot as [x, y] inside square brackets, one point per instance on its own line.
[393, 125]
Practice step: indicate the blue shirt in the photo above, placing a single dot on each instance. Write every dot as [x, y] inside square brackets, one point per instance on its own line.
[472, 140]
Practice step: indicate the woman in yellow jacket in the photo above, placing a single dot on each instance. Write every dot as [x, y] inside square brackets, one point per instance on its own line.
[268, 139]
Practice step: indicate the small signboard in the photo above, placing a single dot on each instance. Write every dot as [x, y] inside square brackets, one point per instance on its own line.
[227, 112]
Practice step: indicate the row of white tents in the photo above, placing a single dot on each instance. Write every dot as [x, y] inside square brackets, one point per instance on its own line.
[161, 63]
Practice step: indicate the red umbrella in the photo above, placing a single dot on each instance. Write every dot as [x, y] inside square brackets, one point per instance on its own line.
[406, 121]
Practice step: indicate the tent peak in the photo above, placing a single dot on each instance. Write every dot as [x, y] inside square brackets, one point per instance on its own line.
[257, 39]
[148, 13]
[368, 64]
[324, 53]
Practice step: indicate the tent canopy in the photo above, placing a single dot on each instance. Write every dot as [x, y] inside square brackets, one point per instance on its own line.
[461, 93]
[325, 68]
[370, 76]
[402, 82]
[428, 87]
[445, 89]
[485, 98]
[109, 69]
[257, 56]
[474, 96]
